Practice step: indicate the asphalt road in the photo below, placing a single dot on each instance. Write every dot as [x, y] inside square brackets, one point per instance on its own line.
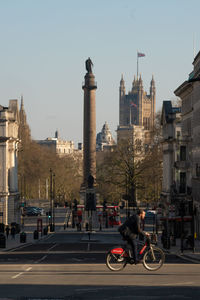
[68, 266]
[72, 266]
[65, 247]
[95, 281]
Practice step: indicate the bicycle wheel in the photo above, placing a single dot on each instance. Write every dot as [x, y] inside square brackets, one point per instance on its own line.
[153, 259]
[115, 262]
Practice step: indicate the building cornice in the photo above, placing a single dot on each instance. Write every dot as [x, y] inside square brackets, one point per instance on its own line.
[185, 87]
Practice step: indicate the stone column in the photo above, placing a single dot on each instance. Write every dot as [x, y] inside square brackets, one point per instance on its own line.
[89, 128]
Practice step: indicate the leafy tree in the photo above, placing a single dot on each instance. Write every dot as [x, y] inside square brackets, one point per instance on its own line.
[131, 171]
[35, 163]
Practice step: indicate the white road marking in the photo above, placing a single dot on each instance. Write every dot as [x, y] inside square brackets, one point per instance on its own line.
[179, 283]
[41, 259]
[20, 247]
[52, 247]
[17, 275]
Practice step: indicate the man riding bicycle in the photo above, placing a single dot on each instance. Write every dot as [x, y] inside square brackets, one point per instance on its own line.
[130, 231]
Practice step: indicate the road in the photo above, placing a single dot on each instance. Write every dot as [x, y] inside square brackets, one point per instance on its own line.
[95, 281]
[70, 266]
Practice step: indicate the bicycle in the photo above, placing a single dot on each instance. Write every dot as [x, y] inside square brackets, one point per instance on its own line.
[152, 257]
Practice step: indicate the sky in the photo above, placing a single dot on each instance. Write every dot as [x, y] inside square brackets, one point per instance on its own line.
[44, 45]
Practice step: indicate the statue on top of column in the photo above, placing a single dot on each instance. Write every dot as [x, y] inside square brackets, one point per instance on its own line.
[89, 65]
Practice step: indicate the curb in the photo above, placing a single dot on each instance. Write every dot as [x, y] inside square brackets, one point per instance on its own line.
[187, 258]
[193, 258]
[182, 255]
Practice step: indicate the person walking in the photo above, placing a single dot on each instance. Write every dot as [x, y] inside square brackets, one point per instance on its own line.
[13, 231]
[7, 231]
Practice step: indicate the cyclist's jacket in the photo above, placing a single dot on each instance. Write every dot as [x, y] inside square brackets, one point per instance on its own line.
[131, 227]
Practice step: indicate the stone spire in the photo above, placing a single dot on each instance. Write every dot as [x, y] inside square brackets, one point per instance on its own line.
[134, 85]
[152, 86]
[24, 130]
[22, 113]
[134, 81]
[153, 100]
[122, 80]
[140, 82]
[122, 92]
[122, 87]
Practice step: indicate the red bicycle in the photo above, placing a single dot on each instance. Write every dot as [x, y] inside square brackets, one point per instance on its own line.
[152, 257]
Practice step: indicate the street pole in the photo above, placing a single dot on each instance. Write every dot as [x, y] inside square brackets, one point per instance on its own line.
[53, 200]
[182, 224]
[51, 196]
[193, 229]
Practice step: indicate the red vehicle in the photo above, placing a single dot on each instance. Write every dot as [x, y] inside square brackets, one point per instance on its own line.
[112, 213]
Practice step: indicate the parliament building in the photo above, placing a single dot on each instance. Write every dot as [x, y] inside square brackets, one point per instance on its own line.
[136, 111]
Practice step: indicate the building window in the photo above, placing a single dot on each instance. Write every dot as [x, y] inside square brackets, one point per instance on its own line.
[183, 153]
[182, 188]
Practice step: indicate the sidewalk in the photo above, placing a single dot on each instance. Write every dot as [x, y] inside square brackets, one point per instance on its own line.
[187, 254]
[15, 243]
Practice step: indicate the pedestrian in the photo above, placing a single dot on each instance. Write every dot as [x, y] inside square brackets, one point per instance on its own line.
[13, 231]
[7, 231]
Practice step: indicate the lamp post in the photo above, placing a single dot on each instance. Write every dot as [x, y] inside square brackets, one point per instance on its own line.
[193, 226]
[182, 213]
[53, 200]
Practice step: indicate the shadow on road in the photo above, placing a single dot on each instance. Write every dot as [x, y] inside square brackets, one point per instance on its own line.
[83, 292]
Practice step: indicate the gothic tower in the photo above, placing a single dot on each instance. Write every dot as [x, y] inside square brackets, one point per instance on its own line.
[153, 99]
[24, 130]
[122, 92]
[140, 101]
[137, 107]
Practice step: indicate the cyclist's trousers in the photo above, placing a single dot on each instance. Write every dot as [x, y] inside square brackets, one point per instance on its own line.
[133, 243]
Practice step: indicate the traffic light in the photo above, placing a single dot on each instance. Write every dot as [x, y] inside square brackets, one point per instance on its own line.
[49, 215]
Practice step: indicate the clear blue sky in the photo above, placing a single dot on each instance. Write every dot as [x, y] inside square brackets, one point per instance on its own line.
[44, 45]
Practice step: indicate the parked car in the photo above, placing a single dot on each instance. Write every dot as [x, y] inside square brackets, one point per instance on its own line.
[33, 211]
[150, 217]
[150, 214]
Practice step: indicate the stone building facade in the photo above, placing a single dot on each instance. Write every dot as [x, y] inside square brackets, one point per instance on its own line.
[9, 195]
[173, 181]
[189, 92]
[57, 145]
[104, 139]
